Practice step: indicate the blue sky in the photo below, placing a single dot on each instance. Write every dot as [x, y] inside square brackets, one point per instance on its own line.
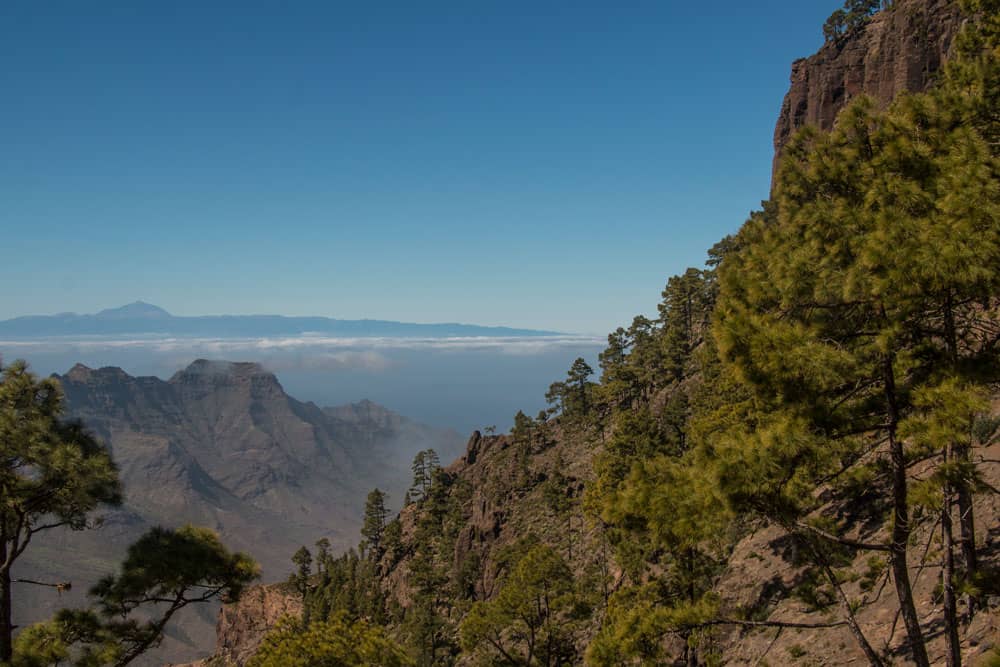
[530, 164]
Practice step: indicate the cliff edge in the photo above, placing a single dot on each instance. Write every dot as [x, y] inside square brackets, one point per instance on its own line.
[898, 50]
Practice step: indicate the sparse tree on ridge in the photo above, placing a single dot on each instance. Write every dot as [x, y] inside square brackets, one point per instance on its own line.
[303, 570]
[374, 522]
[425, 463]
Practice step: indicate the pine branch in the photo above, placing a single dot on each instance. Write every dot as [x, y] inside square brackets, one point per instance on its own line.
[869, 546]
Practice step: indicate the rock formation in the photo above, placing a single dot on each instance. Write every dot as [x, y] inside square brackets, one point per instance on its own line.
[222, 445]
[898, 50]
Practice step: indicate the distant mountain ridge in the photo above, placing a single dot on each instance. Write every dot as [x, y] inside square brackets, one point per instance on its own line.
[140, 318]
[220, 444]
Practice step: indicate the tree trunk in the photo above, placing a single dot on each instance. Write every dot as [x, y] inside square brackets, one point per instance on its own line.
[690, 654]
[901, 526]
[967, 528]
[966, 516]
[954, 649]
[6, 621]
[852, 622]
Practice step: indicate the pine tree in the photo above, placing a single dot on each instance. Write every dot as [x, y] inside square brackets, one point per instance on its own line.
[529, 621]
[163, 572]
[52, 474]
[374, 522]
[425, 463]
[336, 641]
[322, 554]
[684, 312]
[303, 570]
[838, 308]
[420, 480]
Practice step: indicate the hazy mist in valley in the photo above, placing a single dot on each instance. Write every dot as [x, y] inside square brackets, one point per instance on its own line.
[461, 383]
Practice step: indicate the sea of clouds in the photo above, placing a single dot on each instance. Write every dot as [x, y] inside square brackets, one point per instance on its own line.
[462, 382]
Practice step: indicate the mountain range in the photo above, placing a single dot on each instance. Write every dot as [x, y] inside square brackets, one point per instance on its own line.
[222, 445]
[142, 318]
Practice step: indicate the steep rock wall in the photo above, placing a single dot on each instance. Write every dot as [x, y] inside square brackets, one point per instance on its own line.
[898, 50]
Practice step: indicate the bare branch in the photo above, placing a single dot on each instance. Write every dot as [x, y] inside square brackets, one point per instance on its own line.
[870, 546]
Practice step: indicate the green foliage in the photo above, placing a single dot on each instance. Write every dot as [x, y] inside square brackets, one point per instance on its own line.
[425, 463]
[852, 16]
[303, 570]
[373, 527]
[684, 314]
[52, 474]
[972, 79]
[639, 620]
[796, 651]
[345, 584]
[336, 642]
[531, 620]
[573, 396]
[824, 320]
[163, 572]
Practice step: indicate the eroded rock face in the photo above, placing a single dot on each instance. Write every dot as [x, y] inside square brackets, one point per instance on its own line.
[899, 50]
[242, 626]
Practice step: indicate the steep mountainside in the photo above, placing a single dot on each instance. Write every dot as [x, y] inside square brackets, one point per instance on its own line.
[222, 445]
[664, 519]
[501, 491]
[896, 51]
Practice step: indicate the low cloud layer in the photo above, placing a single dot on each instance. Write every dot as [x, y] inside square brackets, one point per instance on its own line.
[300, 353]
[463, 383]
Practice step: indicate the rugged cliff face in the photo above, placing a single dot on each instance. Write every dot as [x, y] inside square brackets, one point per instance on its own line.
[242, 626]
[898, 50]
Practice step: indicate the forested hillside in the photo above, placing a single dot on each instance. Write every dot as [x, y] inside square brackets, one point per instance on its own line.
[795, 462]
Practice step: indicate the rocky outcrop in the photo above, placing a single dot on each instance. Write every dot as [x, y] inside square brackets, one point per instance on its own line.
[242, 626]
[900, 49]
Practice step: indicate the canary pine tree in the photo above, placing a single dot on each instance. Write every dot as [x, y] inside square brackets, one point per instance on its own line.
[875, 279]
[53, 474]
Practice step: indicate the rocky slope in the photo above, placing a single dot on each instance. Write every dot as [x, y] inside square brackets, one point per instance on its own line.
[222, 445]
[507, 503]
[898, 50]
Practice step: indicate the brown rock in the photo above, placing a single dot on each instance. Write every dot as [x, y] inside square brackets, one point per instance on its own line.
[242, 626]
[899, 50]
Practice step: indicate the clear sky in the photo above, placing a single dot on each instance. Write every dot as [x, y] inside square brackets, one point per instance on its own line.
[535, 164]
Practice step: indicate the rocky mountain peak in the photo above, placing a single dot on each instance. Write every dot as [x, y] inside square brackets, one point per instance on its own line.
[79, 373]
[134, 310]
[900, 49]
[210, 367]
[105, 374]
[206, 373]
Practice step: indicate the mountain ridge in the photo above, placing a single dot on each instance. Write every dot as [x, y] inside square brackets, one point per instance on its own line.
[221, 444]
[141, 318]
